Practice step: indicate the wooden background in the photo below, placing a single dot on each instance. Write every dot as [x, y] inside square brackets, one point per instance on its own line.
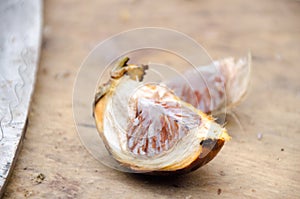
[245, 168]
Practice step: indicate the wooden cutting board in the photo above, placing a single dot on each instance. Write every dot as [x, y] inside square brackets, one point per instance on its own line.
[263, 161]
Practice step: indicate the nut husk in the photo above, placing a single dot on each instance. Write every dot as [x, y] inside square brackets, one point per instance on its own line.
[200, 142]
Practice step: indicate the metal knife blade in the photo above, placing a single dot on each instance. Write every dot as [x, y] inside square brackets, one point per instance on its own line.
[20, 39]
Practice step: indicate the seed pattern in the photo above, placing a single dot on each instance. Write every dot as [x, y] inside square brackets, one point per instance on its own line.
[159, 121]
[206, 92]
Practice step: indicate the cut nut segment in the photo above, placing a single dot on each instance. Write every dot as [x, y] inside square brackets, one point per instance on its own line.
[148, 129]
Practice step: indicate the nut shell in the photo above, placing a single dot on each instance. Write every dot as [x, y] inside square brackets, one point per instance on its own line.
[193, 150]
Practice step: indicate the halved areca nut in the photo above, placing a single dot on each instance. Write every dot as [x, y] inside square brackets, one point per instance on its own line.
[148, 129]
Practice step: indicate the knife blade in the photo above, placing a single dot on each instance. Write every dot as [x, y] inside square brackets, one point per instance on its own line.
[20, 39]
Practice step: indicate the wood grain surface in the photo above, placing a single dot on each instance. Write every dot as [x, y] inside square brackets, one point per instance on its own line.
[54, 164]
